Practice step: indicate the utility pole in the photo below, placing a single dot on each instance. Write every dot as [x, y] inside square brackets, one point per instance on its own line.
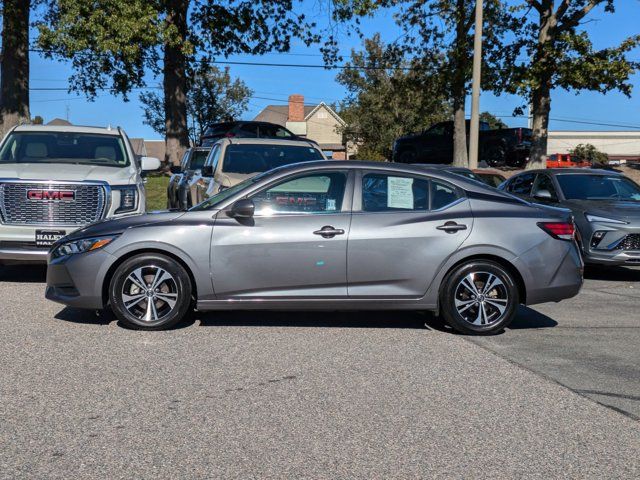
[474, 131]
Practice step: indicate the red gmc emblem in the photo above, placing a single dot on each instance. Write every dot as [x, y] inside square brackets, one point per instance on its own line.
[52, 195]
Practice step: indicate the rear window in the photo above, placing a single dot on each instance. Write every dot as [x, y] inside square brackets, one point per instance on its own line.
[64, 147]
[246, 159]
[218, 129]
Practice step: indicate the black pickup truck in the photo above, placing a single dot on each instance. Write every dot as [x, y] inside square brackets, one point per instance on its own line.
[498, 148]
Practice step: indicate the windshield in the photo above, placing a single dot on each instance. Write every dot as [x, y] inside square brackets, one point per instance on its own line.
[246, 159]
[64, 147]
[197, 159]
[598, 187]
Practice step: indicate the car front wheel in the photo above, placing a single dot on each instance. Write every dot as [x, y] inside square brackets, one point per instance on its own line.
[150, 292]
[479, 298]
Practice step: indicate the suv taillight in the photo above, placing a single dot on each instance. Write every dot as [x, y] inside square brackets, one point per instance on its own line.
[559, 230]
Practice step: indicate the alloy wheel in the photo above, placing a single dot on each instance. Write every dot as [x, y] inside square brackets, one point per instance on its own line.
[481, 298]
[149, 293]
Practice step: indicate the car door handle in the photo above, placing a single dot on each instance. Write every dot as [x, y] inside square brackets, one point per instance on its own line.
[328, 232]
[452, 227]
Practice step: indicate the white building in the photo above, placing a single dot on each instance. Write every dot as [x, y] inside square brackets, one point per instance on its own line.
[618, 145]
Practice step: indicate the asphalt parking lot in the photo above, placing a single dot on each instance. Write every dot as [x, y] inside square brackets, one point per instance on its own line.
[345, 395]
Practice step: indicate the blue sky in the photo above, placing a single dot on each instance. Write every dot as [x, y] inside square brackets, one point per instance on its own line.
[273, 85]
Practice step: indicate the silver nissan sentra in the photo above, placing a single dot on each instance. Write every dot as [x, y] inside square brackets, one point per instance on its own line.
[330, 236]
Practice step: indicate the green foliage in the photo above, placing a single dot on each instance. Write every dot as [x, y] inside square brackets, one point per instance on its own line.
[388, 101]
[493, 121]
[156, 192]
[213, 96]
[589, 153]
[113, 43]
[564, 56]
[37, 120]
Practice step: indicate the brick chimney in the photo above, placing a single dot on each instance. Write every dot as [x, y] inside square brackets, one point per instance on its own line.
[296, 108]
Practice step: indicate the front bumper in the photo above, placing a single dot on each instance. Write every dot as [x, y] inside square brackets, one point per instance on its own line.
[612, 249]
[77, 280]
[18, 242]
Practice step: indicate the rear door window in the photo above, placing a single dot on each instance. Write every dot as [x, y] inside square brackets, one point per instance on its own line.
[383, 192]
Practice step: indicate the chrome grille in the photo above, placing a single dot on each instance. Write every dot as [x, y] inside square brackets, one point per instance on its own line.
[630, 242]
[88, 205]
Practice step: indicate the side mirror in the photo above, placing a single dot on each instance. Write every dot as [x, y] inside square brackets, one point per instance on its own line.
[207, 171]
[149, 164]
[242, 209]
[543, 195]
[175, 169]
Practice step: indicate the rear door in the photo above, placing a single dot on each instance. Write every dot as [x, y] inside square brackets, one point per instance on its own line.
[403, 228]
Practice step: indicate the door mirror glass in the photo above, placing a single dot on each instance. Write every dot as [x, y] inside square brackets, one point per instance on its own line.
[243, 208]
[207, 171]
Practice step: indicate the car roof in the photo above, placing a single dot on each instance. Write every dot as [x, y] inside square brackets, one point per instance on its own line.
[576, 171]
[440, 166]
[265, 141]
[444, 174]
[68, 129]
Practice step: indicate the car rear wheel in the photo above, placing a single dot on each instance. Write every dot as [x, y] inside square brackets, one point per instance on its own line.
[479, 298]
[150, 292]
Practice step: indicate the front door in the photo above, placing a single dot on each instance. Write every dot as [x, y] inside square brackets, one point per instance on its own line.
[295, 246]
[402, 230]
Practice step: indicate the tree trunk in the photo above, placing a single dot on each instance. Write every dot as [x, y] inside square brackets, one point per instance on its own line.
[541, 93]
[458, 90]
[14, 66]
[175, 84]
[541, 103]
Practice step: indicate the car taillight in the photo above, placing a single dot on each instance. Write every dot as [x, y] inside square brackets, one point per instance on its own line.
[559, 230]
[519, 135]
[229, 135]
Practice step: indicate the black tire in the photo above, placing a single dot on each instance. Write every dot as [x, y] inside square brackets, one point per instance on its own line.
[495, 155]
[482, 307]
[171, 297]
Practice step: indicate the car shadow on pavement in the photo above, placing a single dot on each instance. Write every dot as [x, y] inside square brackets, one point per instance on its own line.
[353, 319]
[23, 273]
[526, 319]
[612, 274]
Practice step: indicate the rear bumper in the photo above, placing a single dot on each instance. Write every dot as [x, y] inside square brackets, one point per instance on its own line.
[565, 282]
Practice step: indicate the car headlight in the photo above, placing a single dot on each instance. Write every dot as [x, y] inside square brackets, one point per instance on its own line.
[596, 218]
[128, 199]
[82, 245]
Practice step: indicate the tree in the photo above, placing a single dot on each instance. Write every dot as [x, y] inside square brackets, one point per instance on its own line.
[37, 120]
[589, 153]
[560, 54]
[493, 121]
[114, 44]
[14, 65]
[442, 31]
[388, 96]
[212, 97]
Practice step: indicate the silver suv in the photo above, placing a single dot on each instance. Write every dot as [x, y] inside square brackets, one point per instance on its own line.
[233, 160]
[56, 179]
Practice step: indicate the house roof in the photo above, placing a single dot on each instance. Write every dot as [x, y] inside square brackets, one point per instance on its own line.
[59, 122]
[279, 114]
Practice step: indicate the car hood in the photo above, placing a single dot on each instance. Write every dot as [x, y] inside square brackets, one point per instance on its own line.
[617, 209]
[67, 172]
[115, 226]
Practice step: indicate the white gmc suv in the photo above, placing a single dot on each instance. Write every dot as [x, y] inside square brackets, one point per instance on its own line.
[56, 179]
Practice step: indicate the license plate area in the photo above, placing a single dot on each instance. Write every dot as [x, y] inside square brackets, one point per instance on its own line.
[46, 238]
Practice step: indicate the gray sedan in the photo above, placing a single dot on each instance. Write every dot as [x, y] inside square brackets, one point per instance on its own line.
[330, 236]
[605, 205]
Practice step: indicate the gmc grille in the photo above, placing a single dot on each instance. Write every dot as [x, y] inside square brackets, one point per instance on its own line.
[89, 204]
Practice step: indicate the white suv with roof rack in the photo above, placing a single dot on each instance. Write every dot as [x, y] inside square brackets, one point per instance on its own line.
[56, 179]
